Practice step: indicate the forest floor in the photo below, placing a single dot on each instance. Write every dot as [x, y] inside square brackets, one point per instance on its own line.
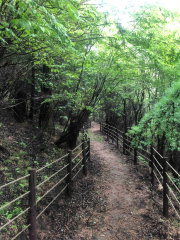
[114, 201]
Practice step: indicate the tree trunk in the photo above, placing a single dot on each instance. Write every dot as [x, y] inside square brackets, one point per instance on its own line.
[46, 119]
[20, 107]
[31, 114]
[46, 122]
[71, 132]
[125, 117]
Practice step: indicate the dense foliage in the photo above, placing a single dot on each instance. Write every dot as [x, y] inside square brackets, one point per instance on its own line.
[70, 58]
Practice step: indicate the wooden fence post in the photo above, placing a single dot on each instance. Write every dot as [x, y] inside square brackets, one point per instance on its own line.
[165, 188]
[117, 140]
[69, 177]
[84, 159]
[107, 132]
[152, 167]
[32, 204]
[89, 149]
[135, 156]
[112, 136]
[124, 151]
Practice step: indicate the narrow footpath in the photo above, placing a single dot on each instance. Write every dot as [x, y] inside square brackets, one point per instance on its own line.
[130, 210]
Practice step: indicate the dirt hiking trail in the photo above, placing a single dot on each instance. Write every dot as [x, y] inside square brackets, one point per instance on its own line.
[128, 209]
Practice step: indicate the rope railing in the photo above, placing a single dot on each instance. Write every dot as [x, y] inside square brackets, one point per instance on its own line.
[113, 134]
[20, 232]
[144, 156]
[145, 150]
[57, 160]
[119, 131]
[106, 131]
[157, 152]
[173, 206]
[112, 126]
[52, 188]
[77, 164]
[174, 170]
[144, 163]
[52, 176]
[158, 162]
[173, 183]
[77, 147]
[32, 185]
[120, 139]
[112, 137]
[5, 225]
[113, 131]
[9, 203]
[17, 180]
[128, 145]
[52, 201]
[120, 136]
[129, 152]
[173, 194]
[158, 170]
[77, 172]
[109, 125]
[76, 156]
[157, 178]
[127, 139]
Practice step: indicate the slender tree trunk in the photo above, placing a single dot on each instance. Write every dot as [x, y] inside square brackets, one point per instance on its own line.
[31, 113]
[125, 117]
[46, 119]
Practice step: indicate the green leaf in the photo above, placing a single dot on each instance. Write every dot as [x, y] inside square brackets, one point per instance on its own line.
[9, 216]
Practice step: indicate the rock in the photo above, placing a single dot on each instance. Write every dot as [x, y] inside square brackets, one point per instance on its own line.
[160, 187]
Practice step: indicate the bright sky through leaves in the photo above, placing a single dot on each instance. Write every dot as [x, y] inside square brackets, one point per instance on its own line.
[173, 4]
[132, 5]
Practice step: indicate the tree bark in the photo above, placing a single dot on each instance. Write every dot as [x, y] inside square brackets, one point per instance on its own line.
[71, 132]
[46, 120]
[125, 117]
[31, 113]
[20, 107]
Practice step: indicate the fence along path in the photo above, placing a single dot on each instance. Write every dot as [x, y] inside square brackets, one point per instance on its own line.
[69, 177]
[161, 170]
